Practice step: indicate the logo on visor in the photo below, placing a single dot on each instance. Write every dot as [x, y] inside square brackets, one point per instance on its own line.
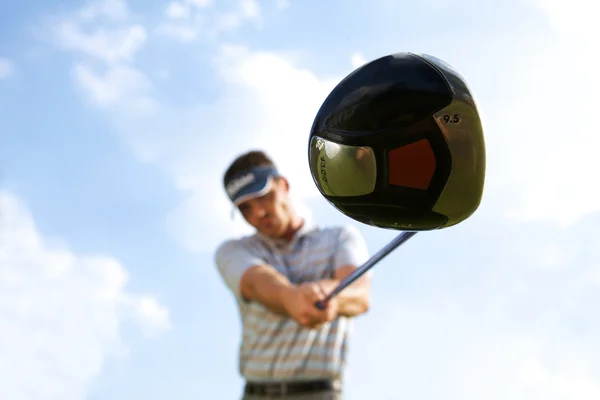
[237, 184]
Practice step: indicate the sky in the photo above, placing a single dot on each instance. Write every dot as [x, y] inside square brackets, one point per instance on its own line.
[117, 119]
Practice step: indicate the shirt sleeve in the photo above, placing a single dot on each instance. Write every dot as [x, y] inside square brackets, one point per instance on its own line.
[351, 248]
[233, 259]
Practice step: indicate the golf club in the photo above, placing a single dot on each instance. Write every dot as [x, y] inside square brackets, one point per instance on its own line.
[398, 144]
[357, 273]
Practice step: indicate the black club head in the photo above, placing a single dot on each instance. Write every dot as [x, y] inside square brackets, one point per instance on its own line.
[399, 144]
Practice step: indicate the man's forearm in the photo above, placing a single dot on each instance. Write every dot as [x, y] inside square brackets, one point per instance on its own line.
[268, 287]
[353, 300]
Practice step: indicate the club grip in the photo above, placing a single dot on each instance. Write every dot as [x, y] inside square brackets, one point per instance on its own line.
[320, 305]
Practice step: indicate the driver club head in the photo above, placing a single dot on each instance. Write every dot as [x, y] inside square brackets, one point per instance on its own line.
[399, 144]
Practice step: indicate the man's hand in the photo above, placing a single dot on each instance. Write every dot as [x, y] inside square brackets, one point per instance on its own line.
[353, 300]
[300, 304]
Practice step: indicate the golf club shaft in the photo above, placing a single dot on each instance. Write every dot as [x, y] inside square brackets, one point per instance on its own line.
[396, 242]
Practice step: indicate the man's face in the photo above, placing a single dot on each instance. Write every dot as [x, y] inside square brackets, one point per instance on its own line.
[269, 214]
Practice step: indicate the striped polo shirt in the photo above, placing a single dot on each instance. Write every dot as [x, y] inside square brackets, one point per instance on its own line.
[274, 347]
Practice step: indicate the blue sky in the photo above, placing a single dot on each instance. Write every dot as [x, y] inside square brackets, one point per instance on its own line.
[117, 119]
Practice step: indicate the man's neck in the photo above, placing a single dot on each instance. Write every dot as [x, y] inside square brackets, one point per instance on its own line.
[295, 225]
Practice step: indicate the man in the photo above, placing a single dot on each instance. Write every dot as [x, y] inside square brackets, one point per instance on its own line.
[290, 349]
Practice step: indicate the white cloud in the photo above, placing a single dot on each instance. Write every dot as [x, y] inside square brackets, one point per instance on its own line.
[550, 127]
[250, 9]
[102, 30]
[484, 323]
[440, 350]
[111, 9]
[282, 4]
[108, 45]
[6, 68]
[577, 18]
[521, 368]
[60, 312]
[176, 10]
[152, 317]
[200, 3]
[267, 102]
[116, 85]
[357, 60]
[205, 20]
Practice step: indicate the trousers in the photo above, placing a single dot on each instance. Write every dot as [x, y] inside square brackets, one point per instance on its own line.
[320, 395]
[310, 390]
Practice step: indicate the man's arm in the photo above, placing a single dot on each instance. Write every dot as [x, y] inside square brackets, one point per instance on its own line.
[351, 252]
[249, 278]
[265, 285]
[354, 300]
